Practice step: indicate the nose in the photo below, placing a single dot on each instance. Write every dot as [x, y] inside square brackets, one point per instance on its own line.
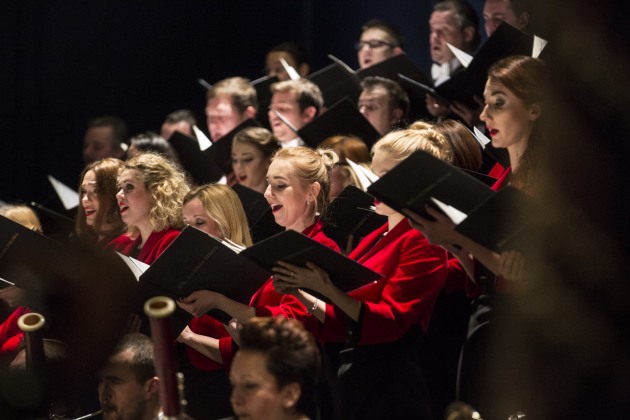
[235, 397]
[267, 193]
[484, 114]
[120, 194]
[363, 109]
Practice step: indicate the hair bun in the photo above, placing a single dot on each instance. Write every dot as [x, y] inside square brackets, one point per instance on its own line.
[329, 157]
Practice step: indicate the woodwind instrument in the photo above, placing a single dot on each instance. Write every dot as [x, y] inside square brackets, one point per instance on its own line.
[159, 309]
[31, 324]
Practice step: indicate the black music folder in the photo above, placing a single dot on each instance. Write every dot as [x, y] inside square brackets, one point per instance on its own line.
[343, 118]
[197, 261]
[261, 222]
[221, 150]
[463, 86]
[195, 162]
[336, 82]
[501, 222]
[295, 248]
[420, 177]
[351, 213]
[263, 95]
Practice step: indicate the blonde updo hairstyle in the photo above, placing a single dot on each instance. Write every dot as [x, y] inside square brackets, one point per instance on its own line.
[224, 207]
[311, 166]
[400, 144]
[167, 184]
[23, 215]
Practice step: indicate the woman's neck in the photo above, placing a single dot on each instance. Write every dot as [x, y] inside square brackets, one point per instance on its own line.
[145, 231]
[301, 225]
[393, 220]
[516, 152]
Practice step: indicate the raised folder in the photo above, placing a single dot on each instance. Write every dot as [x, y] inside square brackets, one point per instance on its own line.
[501, 222]
[295, 248]
[343, 118]
[420, 177]
[351, 213]
[465, 85]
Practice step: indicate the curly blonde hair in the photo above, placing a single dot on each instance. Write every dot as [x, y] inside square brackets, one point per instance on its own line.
[167, 184]
[224, 207]
[312, 166]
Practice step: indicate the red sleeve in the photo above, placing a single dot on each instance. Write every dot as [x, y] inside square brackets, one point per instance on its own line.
[409, 294]
[271, 303]
[227, 348]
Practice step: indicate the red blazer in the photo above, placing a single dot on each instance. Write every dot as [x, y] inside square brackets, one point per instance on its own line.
[11, 336]
[155, 245]
[268, 302]
[413, 271]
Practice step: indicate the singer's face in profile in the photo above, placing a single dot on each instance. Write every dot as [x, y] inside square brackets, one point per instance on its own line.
[196, 215]
[255, 393]
[120, 394]
[287, 196]
[134, 199]
[89, 197]
[286, 103]
[383, 162]
[508, 118]
[249, 165]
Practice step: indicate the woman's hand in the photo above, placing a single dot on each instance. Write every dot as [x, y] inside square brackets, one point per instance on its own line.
[200, 302]
[288, 276]
[512, 265]
[438, 232]
[186, 335]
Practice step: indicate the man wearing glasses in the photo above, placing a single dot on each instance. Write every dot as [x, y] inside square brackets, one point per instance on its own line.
[379, 41]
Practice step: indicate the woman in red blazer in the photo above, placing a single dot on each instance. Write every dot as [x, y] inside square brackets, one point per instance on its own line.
[514, 106]
[150, 200]
[297, 193]
[381, 324]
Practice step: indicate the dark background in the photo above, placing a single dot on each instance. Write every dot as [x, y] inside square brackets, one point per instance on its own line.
[64, 62]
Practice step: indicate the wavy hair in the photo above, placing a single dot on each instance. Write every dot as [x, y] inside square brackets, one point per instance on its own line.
[167, 184]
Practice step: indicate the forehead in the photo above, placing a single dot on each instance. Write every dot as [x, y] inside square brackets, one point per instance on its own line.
[496, 7]
[239, 147]
[194, 206]
[442, 19]
[494, 87]
[101, 134]
[374, 94]
[250, 363]
[89, 177]
[221, 104]
[280, 168]
[374, 34]
[284, 97]
[119, 365]
[128, 175]
[275, 56]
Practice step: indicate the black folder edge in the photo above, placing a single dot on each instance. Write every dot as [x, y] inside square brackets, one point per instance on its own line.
[488, 226]
[295, 248]
[193, 242]
[343, 118]
[452, 186]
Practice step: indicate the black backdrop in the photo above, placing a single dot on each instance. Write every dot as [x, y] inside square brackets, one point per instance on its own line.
[63, 62]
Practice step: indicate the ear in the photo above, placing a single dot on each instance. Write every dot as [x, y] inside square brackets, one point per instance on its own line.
[290, 395]
[397, 51]
[250, 112]
[152, 387]
[314, 190]
[303, 69]
[397, 115]
[523, 20]
[308, 114]
[535, 111]
[469, 34]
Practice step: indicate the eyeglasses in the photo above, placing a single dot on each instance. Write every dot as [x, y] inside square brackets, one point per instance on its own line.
[372, 44]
